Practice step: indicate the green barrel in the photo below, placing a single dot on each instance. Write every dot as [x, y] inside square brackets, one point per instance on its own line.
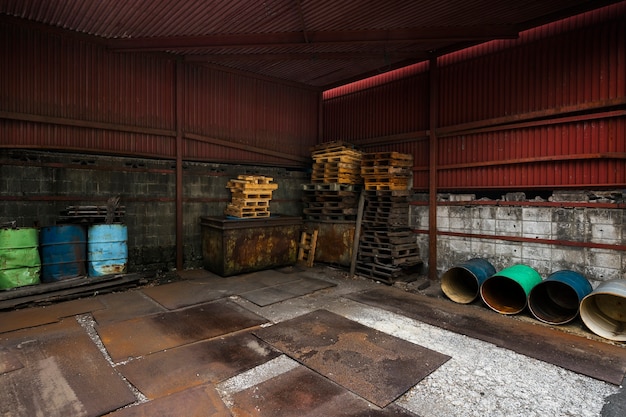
[19, 257]
[507, 291]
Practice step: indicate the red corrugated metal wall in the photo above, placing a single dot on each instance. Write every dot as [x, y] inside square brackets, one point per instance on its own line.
[64, 92]
[545, 111]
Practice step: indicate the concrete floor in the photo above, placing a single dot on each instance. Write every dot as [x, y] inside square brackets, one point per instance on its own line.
[87, 358]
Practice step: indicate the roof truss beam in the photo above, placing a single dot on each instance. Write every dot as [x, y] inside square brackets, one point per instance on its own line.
[430, 34]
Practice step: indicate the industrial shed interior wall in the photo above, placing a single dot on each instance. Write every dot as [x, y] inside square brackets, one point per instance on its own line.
[545, 111]
[65, 92]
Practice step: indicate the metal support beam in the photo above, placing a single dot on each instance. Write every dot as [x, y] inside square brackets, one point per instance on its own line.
[343, 37]
[179, 164]
[433, 75]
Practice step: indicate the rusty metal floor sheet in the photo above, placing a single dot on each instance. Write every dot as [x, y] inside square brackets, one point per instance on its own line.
[62, 374]
[37, 316]
[377, 366]
[209, 361]
[149, 334]
[603, 361]
[122, 306]
[302, 392]
[201, 401]
[275, 294]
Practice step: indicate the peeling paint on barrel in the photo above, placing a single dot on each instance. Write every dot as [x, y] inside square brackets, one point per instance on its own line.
[107, 249]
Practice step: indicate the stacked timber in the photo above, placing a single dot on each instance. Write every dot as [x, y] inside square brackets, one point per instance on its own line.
[251, 196]
[336, 162]
[335, 183]
[387, 246]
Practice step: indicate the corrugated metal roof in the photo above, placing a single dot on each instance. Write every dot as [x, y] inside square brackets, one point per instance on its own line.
[298, 40]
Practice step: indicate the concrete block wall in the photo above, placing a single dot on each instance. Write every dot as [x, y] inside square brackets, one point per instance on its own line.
[36, 186]
[546, 237]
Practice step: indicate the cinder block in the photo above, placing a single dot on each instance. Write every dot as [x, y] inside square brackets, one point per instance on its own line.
[508, 227]
[537, 214]
[602, 258]
[606, 233]
[508, 213]
[483, 248]
[535, 229]
[536, 252]
[509, 250]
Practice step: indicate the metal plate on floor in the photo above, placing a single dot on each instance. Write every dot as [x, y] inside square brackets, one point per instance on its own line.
[271, 295]
[201, 401]
[149, 334]
[37, 316]
[302, 392]
[53, 381]
[370, 363]
[186, 293]
[9, 361]
[593, 358]
[122, 306]
[164, 373]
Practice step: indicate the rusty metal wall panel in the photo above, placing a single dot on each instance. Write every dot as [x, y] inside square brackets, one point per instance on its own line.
[574, 147]
[249, 111]
[578, 63]
[65, 93]
[76, 96]
[382, 110]
[557, 70]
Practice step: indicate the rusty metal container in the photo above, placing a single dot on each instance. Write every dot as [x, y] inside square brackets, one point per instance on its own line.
[334, 241]
[234, 246]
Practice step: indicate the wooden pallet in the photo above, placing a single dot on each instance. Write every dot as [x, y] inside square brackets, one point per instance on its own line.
[329, 187]
[385, 170]
[385, 186]
[246, 212]
[307, 246]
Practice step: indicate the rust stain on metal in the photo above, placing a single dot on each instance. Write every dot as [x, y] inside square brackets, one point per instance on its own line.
[149, 334]
[375, 365]
[9, 361]
[51, 371]
[196, 402]
[593, 358]
[198, 363]
[304, 392]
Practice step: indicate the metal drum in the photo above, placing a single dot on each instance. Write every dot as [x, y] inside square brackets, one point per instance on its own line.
[604, 310]
[19, 257]
[556, 300]
[107, 249]
[462, 282]
[63, 252]
[507, 291]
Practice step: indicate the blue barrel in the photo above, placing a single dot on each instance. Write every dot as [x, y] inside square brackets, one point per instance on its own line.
[107, 249]
[462, 282]
[556, 300]
[63, 252]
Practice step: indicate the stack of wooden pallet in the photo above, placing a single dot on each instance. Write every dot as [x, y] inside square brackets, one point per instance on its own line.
[387, 246]
[251, 195]
[336, 162]
[335, 183]
[386, 170]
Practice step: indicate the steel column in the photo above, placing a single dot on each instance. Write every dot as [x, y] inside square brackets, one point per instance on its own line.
[179, 165]
[432, 182]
